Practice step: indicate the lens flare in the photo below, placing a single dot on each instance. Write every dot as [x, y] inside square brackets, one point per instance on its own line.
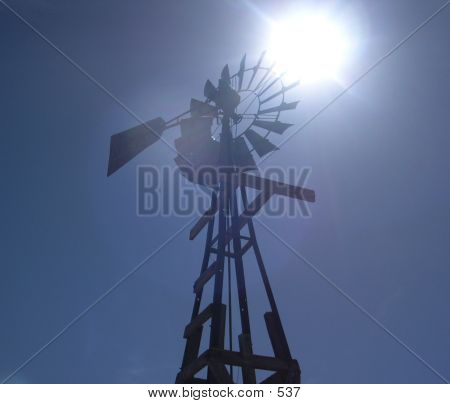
[309, 47]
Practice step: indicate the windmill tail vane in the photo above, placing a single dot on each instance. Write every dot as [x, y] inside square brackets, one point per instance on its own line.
[220, 139]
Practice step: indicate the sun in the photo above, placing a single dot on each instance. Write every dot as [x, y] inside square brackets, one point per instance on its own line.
[310, 47]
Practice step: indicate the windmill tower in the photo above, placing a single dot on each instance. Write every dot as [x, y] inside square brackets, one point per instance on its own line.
[244, 109]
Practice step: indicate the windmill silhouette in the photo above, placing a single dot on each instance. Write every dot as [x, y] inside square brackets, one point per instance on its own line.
[244, 109]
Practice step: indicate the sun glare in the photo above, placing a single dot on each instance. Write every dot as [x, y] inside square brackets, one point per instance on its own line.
[310, 48]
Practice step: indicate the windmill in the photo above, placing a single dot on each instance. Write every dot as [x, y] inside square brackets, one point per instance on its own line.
[220, 138]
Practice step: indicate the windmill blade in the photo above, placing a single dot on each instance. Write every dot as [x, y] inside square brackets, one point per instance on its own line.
[241, 72]
[268, 71]
[273, 126]
[200, 108]
[282, 91]
[261, 145]
[225, 76]
[127, 144]
[255, 69]
[269, 85]
[282, 107]
[242, 157]
[210, 91]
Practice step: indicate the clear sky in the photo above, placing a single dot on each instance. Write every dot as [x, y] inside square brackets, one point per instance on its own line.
[380, 168]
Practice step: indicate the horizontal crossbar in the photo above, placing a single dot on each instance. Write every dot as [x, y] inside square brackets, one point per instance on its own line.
[267, 187]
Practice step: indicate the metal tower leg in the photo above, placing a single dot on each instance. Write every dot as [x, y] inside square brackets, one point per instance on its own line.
[245, 339]
[216, 357]
[273, 322]
[193, 340]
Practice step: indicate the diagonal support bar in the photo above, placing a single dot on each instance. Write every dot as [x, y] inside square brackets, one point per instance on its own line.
[269, 188]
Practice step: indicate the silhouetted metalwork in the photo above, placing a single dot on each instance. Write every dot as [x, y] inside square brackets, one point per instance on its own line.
[261, 145]
[230, 233]
[128, 144]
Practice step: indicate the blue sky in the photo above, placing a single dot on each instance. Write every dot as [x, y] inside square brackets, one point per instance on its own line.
[379, 158]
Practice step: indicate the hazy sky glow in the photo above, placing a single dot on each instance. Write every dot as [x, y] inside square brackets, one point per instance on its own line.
[310, 47]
